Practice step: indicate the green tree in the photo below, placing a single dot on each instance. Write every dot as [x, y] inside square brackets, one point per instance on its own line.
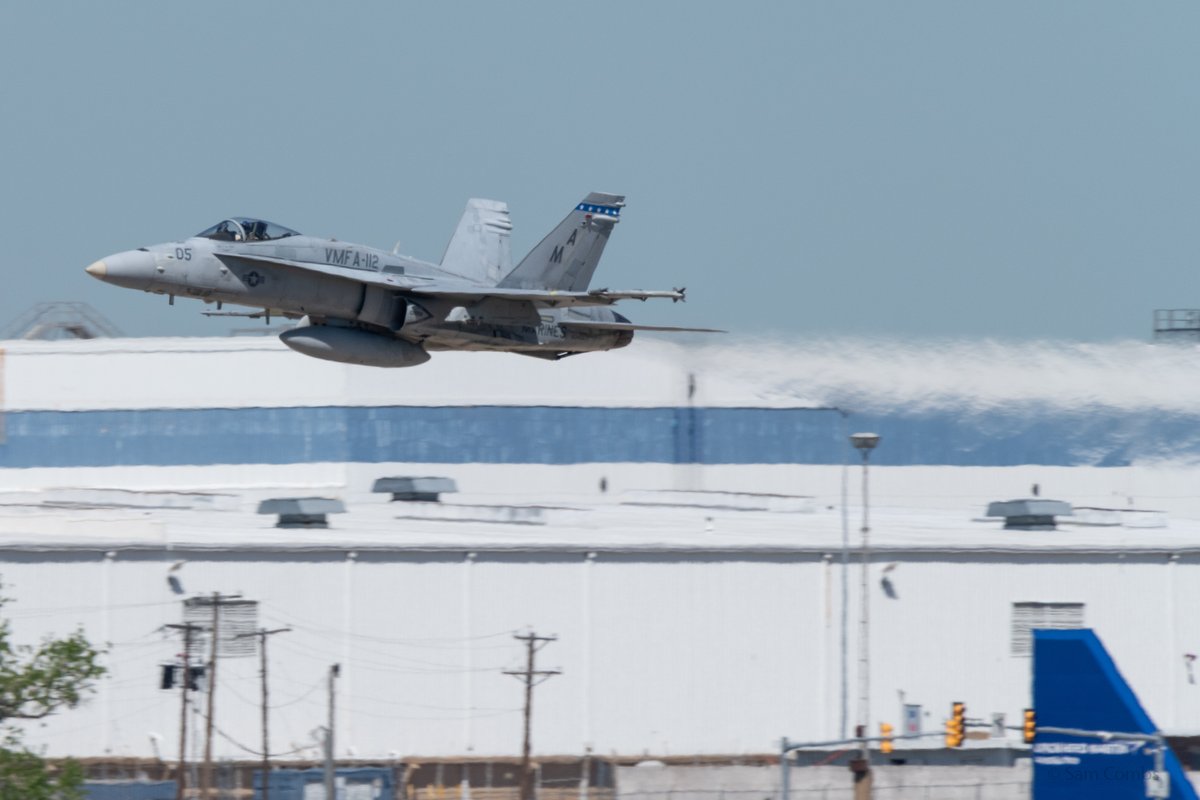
[35, 682]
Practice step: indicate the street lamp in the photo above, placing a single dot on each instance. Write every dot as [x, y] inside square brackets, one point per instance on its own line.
[864, 443]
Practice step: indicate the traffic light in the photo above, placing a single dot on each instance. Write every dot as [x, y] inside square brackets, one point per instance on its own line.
[173, 673]
[885, 731]
[956, 726]
[1030, 727]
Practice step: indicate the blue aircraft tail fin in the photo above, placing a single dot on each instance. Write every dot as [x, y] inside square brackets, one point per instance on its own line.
[1077, 685]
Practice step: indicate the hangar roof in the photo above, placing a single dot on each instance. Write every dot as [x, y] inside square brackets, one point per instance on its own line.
[629, 522]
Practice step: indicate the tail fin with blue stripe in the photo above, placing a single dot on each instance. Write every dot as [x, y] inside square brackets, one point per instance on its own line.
[567, 258]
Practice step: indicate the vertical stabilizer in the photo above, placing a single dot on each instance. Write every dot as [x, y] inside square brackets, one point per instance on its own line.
[567, 258]
[480, 248]
[1076, 685]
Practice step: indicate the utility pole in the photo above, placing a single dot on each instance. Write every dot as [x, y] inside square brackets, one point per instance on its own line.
[206, 775]
[531, 677]
[861, 767]
[585, 778]
[184, 685]
[261, 634]
[330, 783]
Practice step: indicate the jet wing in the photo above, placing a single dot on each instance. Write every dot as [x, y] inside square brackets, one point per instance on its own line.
[631, 326]
[549, 297]
[463, 293]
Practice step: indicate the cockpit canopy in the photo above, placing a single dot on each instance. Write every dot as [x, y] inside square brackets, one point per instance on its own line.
[245, 229]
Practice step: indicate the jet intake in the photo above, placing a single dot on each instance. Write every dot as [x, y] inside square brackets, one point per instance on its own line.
[353, 346]
[383, 307]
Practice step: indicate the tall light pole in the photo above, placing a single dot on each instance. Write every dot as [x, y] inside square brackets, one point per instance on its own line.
[330, 764]
[864, 443]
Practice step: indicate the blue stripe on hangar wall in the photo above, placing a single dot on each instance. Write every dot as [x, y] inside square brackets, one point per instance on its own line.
[570, 435]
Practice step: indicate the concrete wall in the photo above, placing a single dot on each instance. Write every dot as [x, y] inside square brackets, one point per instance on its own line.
[823, 783]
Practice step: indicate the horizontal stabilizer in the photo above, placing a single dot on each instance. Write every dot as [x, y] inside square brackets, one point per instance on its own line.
[630, 326]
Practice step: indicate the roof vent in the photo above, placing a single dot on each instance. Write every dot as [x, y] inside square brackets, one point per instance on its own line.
[1029, 515]
[301, 512]
[425, 490]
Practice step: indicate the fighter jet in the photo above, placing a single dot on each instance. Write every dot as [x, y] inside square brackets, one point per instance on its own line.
[359, 305]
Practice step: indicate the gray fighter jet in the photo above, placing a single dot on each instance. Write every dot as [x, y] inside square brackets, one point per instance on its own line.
[360, 305]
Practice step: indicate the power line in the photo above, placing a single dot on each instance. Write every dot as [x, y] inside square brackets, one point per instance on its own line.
[312, 689]
[429, 641]
[360, 712]
[252, 750]
[100, 723]
[49, 611]
[396, 664]
[375, 713]
[299, 699]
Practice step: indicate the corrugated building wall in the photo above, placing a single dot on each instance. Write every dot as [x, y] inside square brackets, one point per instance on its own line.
[673, 651]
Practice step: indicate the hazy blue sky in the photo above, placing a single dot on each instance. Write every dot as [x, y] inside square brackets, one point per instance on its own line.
[1012, 169]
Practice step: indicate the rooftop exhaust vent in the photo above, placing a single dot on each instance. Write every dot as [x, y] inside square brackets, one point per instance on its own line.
[301, 512]
[425, 490]
[1029, 515]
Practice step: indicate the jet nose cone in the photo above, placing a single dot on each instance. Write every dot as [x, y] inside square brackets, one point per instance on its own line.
[133, 269]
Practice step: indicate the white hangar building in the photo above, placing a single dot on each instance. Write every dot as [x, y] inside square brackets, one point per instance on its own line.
[676, 516]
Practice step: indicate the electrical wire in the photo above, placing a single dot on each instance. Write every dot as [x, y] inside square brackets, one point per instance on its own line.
[196, 710]
[436, 642]
[102, 722]
[424, 668]
[301, 698]
[460, 718]
[49, 611]
[228, 686]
